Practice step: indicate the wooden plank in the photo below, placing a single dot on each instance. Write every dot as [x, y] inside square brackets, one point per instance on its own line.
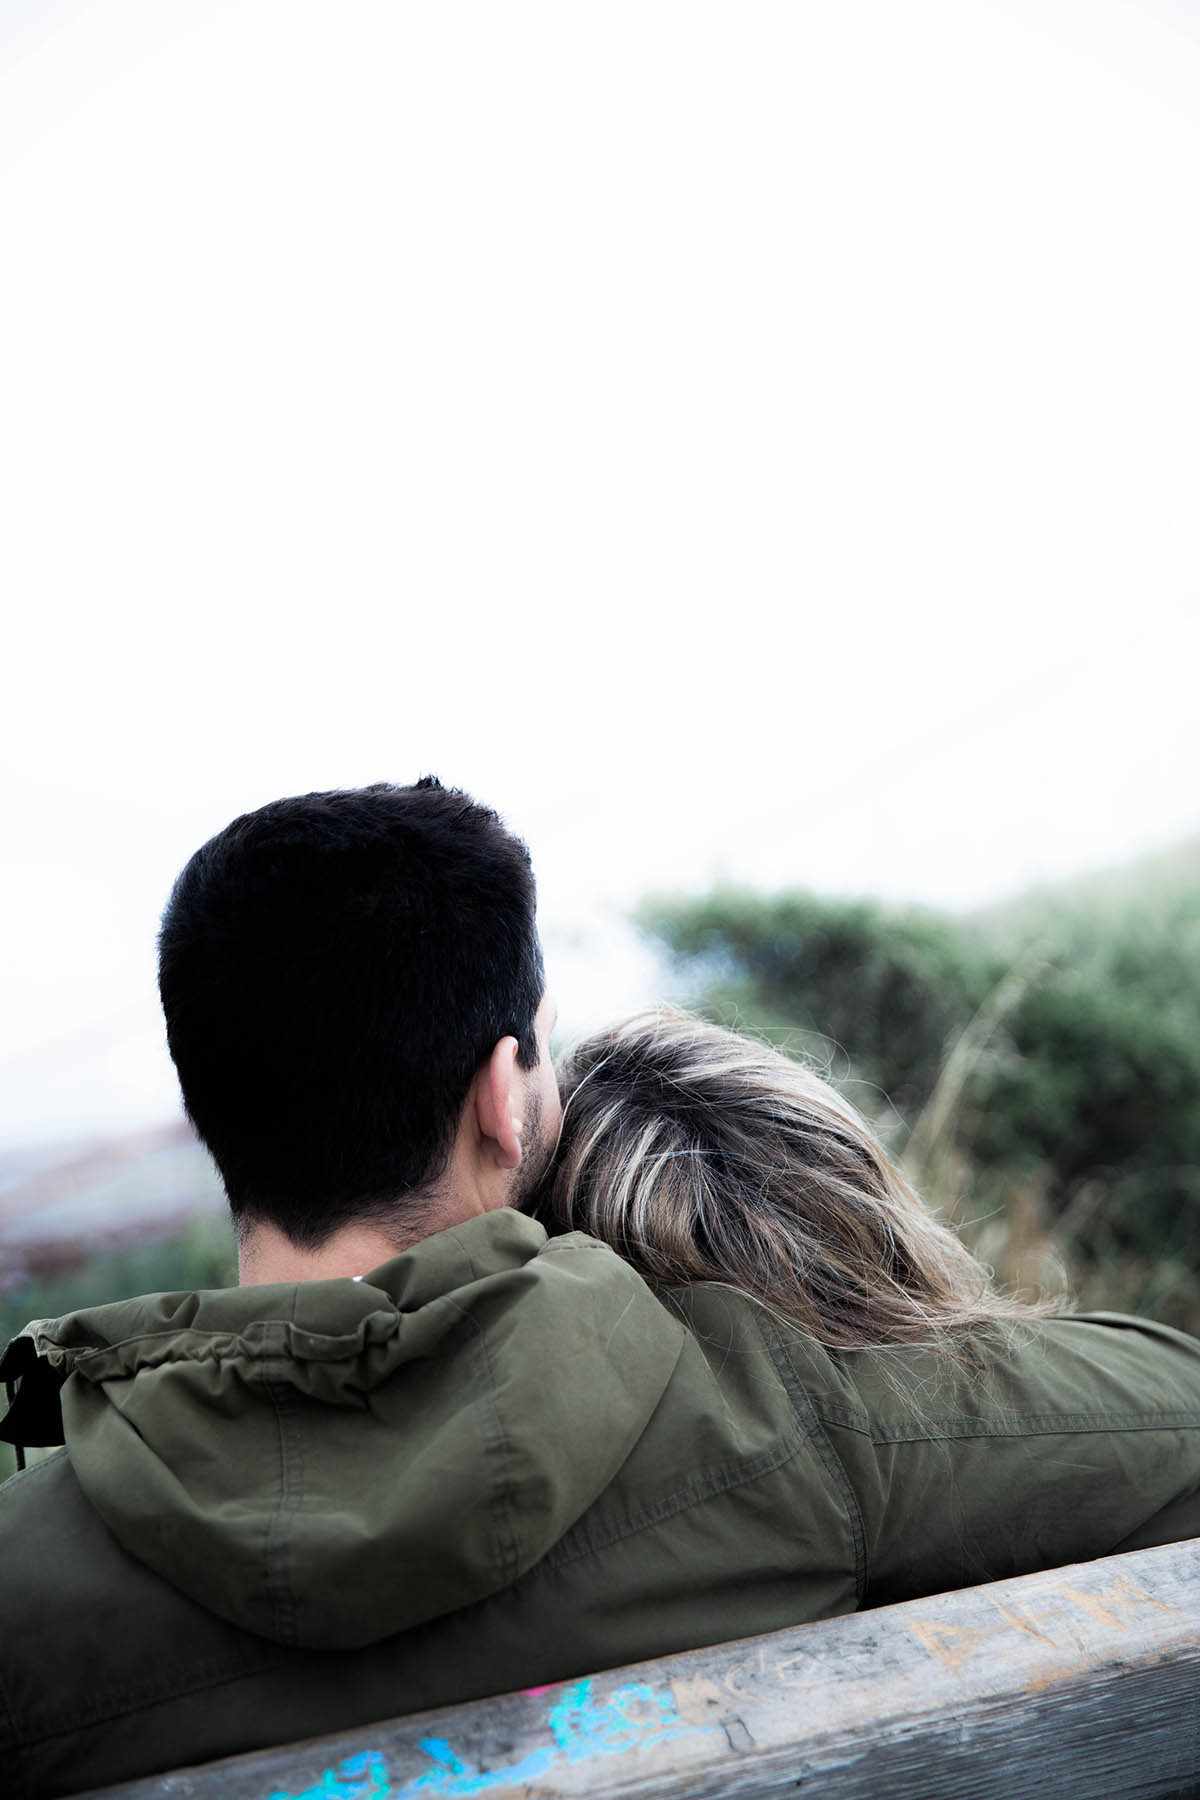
[1081, 1682]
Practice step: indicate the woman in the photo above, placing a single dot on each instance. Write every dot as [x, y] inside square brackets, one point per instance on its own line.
[964, 1437]
[701, 1155]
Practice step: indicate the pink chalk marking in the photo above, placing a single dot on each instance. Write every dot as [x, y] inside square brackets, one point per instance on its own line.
[548, 1688]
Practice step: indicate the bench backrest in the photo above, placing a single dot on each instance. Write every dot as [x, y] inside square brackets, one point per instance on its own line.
[1080, 1682]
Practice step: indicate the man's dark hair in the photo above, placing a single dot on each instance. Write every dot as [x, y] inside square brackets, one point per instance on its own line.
[334, 969]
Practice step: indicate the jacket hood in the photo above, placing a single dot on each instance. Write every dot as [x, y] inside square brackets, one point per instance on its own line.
[330, 1462]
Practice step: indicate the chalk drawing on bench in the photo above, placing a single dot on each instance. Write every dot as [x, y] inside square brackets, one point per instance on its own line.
[360, 1777]
[634, 1717]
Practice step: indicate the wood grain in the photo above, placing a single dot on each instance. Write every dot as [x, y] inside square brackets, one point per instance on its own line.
[1080, 1682]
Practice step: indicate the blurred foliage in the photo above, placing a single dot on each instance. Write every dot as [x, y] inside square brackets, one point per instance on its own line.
[203, 1256]
[1037, 1067]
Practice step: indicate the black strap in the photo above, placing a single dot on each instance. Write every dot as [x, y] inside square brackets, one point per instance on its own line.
[10, 1389]
[34, 1413]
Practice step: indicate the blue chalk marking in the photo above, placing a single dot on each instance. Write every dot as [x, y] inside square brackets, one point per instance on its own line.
[634, 1717]
[443, 1755]
[453, 1777]
[361, 1777]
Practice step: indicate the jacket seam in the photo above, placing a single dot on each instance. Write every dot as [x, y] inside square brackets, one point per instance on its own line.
[1035, 1425]
[709, 1485]
[208, 1344]
[557, 1246]
[811, 1422]
[845, 1417]
[508, 1543]
[904, 1430]
[276, 1558]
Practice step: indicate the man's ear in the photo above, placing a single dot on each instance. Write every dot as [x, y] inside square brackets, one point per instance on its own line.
[497, 1093]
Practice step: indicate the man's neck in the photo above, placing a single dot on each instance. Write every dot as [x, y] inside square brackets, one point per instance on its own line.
[475, 1180]
[266, 1255]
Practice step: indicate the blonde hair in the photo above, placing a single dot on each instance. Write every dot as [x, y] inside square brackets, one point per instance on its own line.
[701, 1155]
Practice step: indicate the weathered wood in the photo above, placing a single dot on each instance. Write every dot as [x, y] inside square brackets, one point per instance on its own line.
[1080, 1682]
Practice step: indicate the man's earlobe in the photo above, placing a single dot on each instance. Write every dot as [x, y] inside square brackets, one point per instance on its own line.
[496, 1094]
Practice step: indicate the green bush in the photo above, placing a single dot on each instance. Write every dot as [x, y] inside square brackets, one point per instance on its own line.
[888, 989]
[1060, 1039]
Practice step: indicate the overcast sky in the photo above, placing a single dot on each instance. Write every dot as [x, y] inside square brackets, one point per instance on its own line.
[738, 440]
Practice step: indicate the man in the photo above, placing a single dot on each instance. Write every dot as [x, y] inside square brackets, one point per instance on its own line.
[421, 1453]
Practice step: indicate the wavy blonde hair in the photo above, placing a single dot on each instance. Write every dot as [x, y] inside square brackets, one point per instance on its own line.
[701, 1155]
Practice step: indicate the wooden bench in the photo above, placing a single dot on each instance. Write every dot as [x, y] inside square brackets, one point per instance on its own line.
[1080, 1682]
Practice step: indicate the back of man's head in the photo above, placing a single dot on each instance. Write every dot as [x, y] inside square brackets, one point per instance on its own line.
[334, 969]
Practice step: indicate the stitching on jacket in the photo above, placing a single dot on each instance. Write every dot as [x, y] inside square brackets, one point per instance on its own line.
[832, 1412]
[205, 1345]
[558, 1246]
[811, 1422]
[1034, 1425]
[710, 1484]
[500, 1505]
[276, 1551]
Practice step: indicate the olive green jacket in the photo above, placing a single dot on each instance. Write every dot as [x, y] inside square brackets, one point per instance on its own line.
[500, 1460]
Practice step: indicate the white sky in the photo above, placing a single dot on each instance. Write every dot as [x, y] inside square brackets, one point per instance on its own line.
[735, 439]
